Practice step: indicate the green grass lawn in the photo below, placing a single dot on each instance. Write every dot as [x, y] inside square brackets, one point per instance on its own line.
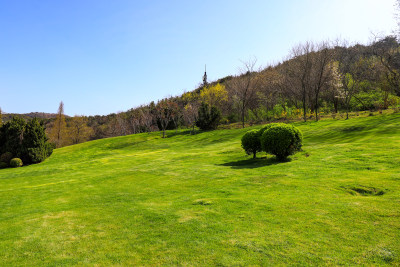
[199, 200]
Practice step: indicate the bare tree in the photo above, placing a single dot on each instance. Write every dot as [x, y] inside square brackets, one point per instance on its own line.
[134, 121]
[146, 118]
[121, 124]
[310, 70]
[397, 5]
[244, 86]
[165, 111]
[321, 72]
[267, 93]
[298, 71]
[58, 133]
[190, 114]
[386, 50]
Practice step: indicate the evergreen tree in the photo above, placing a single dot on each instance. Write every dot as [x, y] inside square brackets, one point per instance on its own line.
[12, 135]
[208, 118]
[27, 141]
[35, 145]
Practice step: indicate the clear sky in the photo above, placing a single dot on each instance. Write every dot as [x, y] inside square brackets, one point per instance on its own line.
[102, 56]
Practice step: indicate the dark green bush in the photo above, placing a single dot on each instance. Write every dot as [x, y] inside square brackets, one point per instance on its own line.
[266, 127]
[6, 157]
[26, 141]
[208, 118]
[3, 165]
[251, 142]
[282, 140]
[35, 145]
[15, 162]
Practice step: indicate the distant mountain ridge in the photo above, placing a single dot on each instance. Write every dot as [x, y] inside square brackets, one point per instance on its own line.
[40, 115]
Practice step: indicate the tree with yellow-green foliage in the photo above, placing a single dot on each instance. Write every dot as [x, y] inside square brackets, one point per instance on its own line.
[190, 97]
[1, 121]
[215, 95]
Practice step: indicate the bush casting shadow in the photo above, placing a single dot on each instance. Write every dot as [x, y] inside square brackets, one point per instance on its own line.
[253, 163]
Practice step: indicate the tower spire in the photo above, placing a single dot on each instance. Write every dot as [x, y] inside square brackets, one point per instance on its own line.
[205, 76]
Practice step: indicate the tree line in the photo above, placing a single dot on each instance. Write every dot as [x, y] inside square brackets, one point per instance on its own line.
[315, 79]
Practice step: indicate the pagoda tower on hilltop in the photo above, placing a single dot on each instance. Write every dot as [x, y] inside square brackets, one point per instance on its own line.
[205, 76]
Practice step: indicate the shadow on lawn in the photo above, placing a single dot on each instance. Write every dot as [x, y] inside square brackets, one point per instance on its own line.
[178, 133]
[253, 163]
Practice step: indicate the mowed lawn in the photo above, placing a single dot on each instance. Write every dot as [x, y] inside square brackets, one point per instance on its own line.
[199, 200]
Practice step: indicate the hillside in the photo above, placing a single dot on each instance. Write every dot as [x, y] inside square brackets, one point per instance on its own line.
[40, 115]
[199, 200]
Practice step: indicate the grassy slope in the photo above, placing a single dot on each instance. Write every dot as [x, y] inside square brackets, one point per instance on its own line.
[197, 200]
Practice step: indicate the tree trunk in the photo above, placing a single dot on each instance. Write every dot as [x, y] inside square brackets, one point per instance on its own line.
[254, 154]
[243, 107]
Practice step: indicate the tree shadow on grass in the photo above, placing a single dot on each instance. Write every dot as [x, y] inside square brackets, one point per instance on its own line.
[173, 133]
[253, 163]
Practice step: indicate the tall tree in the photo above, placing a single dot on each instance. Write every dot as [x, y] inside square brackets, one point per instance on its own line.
[58, 133]
[35, 145]
[244, 86]
[322, 74]
[298, 72]
[214, 95]
[190, 115]
[146, 118]
[388, 52]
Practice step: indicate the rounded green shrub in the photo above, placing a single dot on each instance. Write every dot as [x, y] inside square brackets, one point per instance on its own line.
[251, 142]
[282, 140]
[3, 165]
[15, 162]
[266, 127]
[6, 157]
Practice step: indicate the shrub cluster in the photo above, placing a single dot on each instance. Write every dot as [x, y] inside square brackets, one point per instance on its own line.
[26, 141]
[15, 163]
[6, 157]
[279, 139]
[3, 165]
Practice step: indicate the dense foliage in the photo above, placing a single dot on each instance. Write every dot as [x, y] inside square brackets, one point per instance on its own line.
[6, 157]
[208, 118]
[266, 127]
[25, 140]
[318, 80]
[15, 163]
[282, 140]
[251, 142]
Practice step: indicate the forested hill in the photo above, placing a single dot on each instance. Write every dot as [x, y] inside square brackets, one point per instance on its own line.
[40, 115]
[317, 79]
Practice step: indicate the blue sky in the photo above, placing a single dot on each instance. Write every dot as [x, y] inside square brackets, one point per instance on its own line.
[101, 56]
